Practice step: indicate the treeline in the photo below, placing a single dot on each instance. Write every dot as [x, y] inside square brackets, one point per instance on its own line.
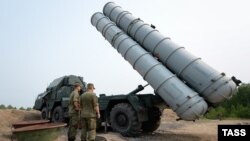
[237, 107]
[11, 107]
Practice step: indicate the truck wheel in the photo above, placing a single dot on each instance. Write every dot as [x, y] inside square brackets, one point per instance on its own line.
[57, 114]
[123, 119]
[44, 113]
[154, 120]
[99, 126]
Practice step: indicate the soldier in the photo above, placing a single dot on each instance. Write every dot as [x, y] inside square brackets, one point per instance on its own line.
[90, 111]
[74, 109]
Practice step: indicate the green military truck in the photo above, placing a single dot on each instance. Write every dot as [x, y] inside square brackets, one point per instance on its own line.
[180, 80]
[128, 114]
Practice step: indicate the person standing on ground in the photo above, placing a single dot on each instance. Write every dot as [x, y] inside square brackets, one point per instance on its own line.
[74, 109]
[90, 111]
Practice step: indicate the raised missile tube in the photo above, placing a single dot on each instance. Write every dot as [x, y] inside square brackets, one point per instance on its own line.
[214, 86]
[184, 101]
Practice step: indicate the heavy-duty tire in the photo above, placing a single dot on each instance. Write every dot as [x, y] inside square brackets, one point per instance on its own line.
[44, 113]
[154, 120]
[123, 119]
[57, 114]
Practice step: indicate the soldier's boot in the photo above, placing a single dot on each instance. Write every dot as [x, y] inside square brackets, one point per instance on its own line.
[71, 139]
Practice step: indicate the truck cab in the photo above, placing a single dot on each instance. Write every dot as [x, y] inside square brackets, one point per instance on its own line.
[53, 103]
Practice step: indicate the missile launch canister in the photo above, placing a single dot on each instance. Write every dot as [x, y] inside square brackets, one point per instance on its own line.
[212, 85]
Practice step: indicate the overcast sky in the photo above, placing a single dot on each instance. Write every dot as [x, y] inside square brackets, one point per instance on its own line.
[41, 40]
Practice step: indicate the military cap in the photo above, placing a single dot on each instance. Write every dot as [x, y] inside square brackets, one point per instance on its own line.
[77, 84]
[90, 85]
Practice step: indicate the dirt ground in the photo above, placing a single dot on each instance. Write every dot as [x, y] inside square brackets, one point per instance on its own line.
[7, 117]
[170, 129]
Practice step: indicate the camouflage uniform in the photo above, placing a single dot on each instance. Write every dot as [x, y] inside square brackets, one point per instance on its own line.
[73, 116]
[88, 103]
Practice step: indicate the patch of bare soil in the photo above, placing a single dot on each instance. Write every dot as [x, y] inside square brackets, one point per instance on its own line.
[7, 117]
[200, 130]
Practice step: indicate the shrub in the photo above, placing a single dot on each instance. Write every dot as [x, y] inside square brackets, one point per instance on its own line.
[9, 107]
[28, 109]
[237, 107]
[2, 106]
